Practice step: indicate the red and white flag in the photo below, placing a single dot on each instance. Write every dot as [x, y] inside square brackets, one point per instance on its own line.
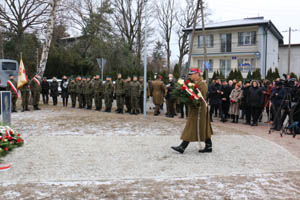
[22, 77]
[37, 81]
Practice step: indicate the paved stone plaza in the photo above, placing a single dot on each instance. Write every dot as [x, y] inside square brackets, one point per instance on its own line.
[72, 153]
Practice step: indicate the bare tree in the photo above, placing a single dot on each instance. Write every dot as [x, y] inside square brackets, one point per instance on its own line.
[53, 4]
[19, 16]
[166, 17]
[185, 19]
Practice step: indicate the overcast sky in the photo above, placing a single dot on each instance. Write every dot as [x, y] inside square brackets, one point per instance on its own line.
[283, 14]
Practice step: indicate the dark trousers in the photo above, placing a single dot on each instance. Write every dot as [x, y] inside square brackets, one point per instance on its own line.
[65, 101]
[128, 103]
[277, 117]
[255, 113]
[212, 109]
[54, 101]
[45, 98]
[247, 110]
[182, 105]
[225, 109]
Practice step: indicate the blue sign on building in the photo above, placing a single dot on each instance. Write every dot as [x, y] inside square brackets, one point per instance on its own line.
[5, 102]
[207, 65]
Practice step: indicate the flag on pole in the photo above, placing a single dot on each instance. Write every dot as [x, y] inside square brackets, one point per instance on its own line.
[22, 77]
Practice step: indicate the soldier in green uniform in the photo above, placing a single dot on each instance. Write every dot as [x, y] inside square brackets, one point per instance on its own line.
[135, 88]
[88, 91]
[127, 94]
[98, 92]
[79, 91]
[72, 91]
[83, 92]
[120, 93]
[25, 96]
[108, 94]
[12, 87]
[35, 87]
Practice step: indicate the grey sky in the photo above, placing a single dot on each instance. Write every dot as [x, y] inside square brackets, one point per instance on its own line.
[283, 14]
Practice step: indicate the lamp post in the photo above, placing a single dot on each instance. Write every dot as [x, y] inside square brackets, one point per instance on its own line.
[145, 61]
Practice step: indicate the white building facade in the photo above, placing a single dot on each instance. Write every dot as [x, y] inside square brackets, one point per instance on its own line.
[295, 59]
[245, 44]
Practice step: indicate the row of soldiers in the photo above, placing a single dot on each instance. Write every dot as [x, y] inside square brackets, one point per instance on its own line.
[126, 92]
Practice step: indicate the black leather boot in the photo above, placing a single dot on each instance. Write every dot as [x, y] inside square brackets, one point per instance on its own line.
[237, 119]
[208, 147]
[233, 118]
[181, 147]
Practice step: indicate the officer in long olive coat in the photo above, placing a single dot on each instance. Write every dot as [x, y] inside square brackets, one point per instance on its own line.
[135, 88]
[98, 90]
[35, 88]
[108, 94]
[190, 132]
[157, 91]
[120, 93]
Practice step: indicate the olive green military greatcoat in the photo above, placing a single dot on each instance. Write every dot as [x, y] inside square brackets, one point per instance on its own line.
[158, 91]
[72, 91]
[98, 93]
[189, 133]
[127, 96]
[14, 96]
[135, 93]
[35, 88]
[120, 93]
[88, 88]
[25, 91]
[79, 93]
[108, 94]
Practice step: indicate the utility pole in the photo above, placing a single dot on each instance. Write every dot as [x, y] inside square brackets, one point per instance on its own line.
[145, 60]
[289, 51]
[193, 33]
[204, 41]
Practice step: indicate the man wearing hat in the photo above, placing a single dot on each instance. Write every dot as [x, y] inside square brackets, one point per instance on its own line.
[127, 94]
[72, 92]
[35, 88]
[135, 88]
[277, 97]
[120, 93]
[158, 92]
[98, 89]
[108, 94]
[79, 92]
[198, 127]
[12, 87]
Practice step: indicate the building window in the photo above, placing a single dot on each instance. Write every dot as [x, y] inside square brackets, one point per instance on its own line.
[209, 41]
[225, 42]
[202, 67]
[225, 67]
[247, 64]
[247, 38]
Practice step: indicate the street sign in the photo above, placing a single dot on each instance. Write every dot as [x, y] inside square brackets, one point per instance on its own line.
[5, 98]
[207, 65]
[101, 62]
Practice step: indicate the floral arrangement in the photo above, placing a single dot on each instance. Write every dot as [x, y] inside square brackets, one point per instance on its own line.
[9, 139]
[188, 92]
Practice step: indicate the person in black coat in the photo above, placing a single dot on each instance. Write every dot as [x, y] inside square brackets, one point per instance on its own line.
[244, 106]
[45, 90]
[226, 89]
[64, 85]
[54, 90]
[215, 98]
[255, 100]
[171, 99]
[277, 98]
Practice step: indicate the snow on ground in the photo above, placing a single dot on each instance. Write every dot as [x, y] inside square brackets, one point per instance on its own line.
[81, 154]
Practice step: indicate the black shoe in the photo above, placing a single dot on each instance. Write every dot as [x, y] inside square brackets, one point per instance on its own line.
[237, 119]
[181, 147]
[206, 150]
[178, 149]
